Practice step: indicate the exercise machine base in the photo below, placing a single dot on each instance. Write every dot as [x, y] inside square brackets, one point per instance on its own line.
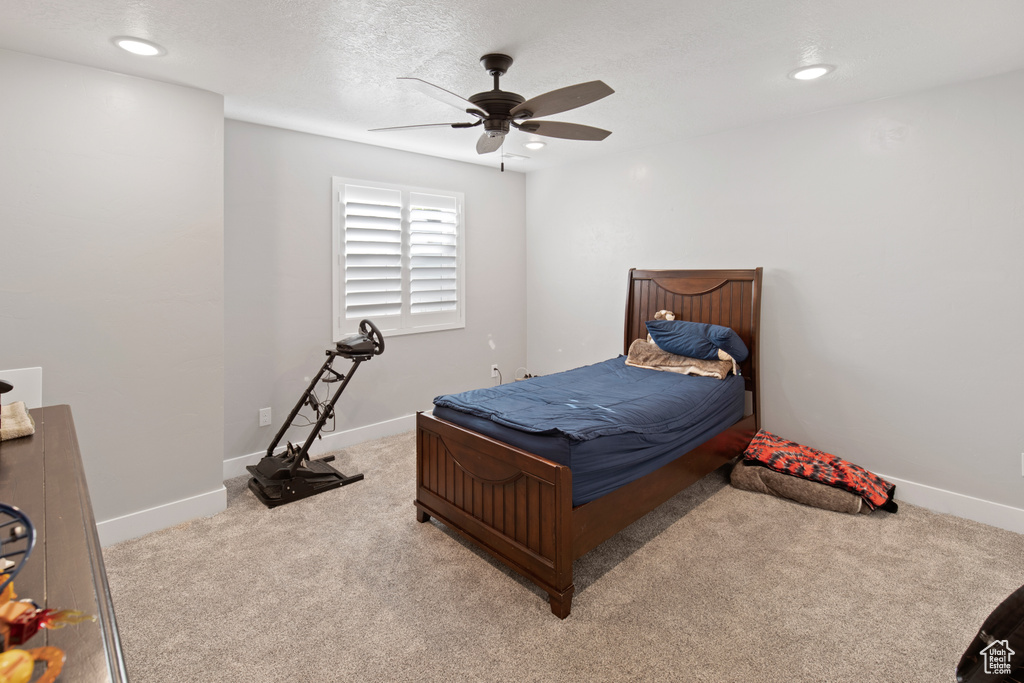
[293, 475]
[311, 478]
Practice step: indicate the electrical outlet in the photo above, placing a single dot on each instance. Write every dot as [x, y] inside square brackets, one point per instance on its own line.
[494, 370]
[264, 417]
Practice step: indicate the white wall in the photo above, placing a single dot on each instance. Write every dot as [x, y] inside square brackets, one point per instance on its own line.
[111, 272]
[891, 235]
[278, 282]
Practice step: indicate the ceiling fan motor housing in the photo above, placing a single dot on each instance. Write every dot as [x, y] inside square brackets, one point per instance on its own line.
[497, 104]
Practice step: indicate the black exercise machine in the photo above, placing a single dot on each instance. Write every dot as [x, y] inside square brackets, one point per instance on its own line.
[291, 475]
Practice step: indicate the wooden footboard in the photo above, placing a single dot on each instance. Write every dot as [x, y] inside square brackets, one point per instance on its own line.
[517, 506]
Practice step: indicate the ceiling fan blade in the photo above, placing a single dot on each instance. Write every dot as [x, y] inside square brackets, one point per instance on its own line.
[487, 144]
[424, 125]
[442, 95]
[562, 99]
[569, 131]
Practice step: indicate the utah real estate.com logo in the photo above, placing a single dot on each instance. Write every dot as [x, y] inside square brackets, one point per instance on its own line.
[997, 658]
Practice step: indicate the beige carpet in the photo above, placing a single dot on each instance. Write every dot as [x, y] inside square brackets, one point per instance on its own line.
[716, 585]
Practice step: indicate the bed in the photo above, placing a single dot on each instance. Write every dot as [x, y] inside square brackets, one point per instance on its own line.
[518, 506]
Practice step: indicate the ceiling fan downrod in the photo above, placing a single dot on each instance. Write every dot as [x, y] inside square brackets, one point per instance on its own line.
[497, 103]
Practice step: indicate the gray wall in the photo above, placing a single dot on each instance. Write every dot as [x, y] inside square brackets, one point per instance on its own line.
[111, 270]
[891, 234]
[278, 281]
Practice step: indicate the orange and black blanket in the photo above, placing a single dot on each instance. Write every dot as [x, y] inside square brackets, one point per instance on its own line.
[791, 458]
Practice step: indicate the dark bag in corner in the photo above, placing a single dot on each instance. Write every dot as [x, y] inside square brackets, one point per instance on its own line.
[997, 652]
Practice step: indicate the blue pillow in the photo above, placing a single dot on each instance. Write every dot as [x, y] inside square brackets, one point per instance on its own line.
[696, 340]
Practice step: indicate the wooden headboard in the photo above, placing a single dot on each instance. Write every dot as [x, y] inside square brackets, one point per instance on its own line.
[723, 297]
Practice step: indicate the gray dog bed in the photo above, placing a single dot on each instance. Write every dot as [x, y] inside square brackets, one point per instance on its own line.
[764, 480]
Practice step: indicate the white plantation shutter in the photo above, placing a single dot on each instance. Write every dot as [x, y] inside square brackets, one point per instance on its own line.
[398, 258]
[373, 252]
[433, 253]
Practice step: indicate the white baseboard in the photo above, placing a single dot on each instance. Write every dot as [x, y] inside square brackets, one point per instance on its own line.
[235, 467]
[958, 505]
[163, 516]
[140, 523]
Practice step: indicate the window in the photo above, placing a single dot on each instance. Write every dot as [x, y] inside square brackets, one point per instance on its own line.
[398, 258]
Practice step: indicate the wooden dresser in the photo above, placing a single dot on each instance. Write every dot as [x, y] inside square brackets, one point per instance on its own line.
[42, 475]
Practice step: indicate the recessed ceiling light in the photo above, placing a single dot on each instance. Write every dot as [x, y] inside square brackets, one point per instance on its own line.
[809, 73]
[535, 144]
[138, 46]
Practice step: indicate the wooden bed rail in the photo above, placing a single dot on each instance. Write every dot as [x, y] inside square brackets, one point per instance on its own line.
[626, 504]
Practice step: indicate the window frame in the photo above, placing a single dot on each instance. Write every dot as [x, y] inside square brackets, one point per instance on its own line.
[430, 322]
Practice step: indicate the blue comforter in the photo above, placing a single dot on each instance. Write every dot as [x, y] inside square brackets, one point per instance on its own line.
[597, 400]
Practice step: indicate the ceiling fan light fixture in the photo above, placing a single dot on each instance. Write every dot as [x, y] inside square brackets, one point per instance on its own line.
[535, 144]
[139, 46]
[810, 73]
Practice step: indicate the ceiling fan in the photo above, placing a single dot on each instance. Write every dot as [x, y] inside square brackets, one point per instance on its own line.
[499, 111]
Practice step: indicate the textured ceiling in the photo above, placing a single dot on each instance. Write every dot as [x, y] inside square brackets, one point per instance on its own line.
[680, 68]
